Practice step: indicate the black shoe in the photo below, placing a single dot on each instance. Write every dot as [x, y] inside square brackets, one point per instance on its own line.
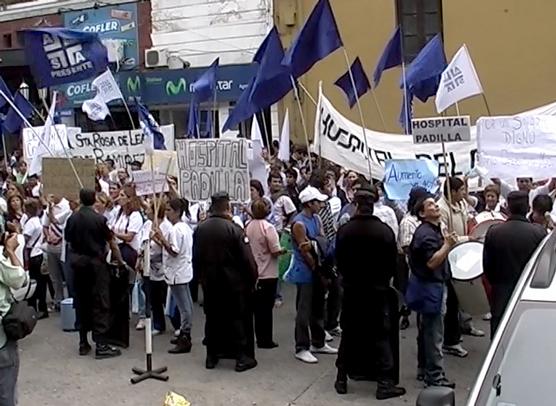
[341, 386]
[183, 345]
[84, 349]
[174, 340]
[105, 351]
[42, 315]
[443, 382]
[245, 363]
[404, 324]
[388, 391]
[211, 362]
[268, 346]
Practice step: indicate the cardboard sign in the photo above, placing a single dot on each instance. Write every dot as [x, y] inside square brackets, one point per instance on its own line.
[401, 175]
[517, 146]
[143, 181]
[209, 166]
[58, 177]
[164, 162]
[434, 130]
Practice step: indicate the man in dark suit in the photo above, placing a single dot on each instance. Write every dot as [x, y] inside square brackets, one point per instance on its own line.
[507, 249]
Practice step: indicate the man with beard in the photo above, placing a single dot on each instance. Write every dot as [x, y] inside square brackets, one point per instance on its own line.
[369, 316]
[89, 237]
[228, 273]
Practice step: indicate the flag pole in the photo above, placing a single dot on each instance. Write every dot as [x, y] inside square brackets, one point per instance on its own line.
[486, 104]
[457, 108]
[129, 114]
[307, 93]
[5, 152]
[363, 129]
[296, 94]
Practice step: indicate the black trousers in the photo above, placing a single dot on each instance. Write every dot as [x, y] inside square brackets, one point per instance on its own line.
[309, 320]
[452, 326]
[158, 300]
[333, 304]
[38, 300]
[263, 308]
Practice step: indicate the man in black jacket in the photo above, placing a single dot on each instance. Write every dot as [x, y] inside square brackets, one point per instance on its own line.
[227, 271]
[369, 318]
[507, 249]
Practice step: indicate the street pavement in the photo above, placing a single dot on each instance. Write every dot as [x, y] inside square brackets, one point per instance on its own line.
[52, 373]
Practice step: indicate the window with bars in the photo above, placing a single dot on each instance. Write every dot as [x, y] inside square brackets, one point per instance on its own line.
[420, 21]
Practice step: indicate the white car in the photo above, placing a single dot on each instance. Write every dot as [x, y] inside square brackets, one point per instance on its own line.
[520, 366]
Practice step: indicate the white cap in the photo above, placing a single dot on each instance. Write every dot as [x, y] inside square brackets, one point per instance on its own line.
[311, 193]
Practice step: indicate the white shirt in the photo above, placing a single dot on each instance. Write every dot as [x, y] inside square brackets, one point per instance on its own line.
[61, 212]
[178, 269]
[156, 270]
[104, 186]
[33, 231]
[281, 208]
[36, 191]
[129, 224]
[387, 215]
[111, 215]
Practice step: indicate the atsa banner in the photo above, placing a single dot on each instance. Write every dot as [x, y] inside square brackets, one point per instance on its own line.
[58, 55]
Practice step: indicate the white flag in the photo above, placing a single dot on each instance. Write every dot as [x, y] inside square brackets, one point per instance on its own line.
[459, 81]
[257, 166]
[284, 151]
[107, 88]
[44, 145]
[96, 109]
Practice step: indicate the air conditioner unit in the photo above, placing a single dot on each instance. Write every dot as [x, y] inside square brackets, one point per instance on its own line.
[156, 58]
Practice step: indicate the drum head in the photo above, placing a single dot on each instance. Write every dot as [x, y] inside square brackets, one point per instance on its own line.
[466, 260]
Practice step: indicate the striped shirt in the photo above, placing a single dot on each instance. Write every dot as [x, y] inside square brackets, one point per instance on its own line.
[328, 223]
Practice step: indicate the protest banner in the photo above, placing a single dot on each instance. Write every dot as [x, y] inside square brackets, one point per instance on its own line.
[123, 147]
[161, 160]
[340, 141]
[434, 130]
[58, 177]
[30, 141]
[208, 166]
[517, 146]
[143, 181]
[401, 175]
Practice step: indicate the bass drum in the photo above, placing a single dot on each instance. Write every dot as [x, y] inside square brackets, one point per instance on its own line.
[479, 225]
[466, 263]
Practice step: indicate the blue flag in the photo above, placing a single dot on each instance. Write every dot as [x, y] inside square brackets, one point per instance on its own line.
[205, 86]
[391, 57]
[406, 113]
[59, 55]
[154, 139]
[318, 38]
[193, 121]
[361, 82]
[6, 90]
[243, 109]
[273, 80]
[424, 73]
[13, 121]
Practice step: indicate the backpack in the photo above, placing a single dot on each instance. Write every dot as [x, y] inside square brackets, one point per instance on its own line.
[20, 320]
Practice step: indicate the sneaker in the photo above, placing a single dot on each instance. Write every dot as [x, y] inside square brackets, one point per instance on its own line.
[140, 325]
[156, 332]
[306, 356]
[475, 332]
[325, 349]
[389, 391]
[487, 317]
[443, 383]
[106, 351]
[456, 350]
[245, 363]
[336, 331]
[327, 337]
[278, 303]
[177, 333]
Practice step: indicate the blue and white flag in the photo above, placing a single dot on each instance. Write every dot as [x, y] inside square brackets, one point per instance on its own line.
[402, 175]
[153, 137]
[60, 55]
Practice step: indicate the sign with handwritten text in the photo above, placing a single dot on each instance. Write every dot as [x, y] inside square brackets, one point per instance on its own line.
[208, 166]
[401, 175]
[517, 146]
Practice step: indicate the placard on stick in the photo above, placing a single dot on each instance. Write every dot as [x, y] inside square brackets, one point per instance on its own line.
[58, 177]
[435, 130]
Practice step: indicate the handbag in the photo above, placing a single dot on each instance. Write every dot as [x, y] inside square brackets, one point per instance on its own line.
[20, 320]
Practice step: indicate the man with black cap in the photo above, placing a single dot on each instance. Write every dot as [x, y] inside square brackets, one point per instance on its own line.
[228, 273]
[508, 247]
[89, 237]
[370, 313]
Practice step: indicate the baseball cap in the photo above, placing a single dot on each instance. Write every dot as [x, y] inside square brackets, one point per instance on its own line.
[311, 193]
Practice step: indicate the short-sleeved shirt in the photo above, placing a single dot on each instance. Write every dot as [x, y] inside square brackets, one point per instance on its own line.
[33, 231]
[427, 240]
[155, 251]
[281, 209]
[179, 269]
[87, 233]
[408, 225]
[133, 223]
[264, 240]
[299, 271]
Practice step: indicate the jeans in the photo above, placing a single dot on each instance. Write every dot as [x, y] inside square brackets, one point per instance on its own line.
[182, 296]
[9, 369]
[452, 326]
[310, 315]
[264, 306]
[56, 271]
[140, 298]
[431, 338]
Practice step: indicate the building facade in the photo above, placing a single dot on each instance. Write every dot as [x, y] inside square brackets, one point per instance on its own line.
[510, 42]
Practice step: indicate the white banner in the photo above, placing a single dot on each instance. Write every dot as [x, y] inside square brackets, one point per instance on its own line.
[518, 146]
[341, 141]
[123, 147]
[143, 181]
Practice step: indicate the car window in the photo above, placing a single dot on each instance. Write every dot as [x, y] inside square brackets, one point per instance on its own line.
[523, 369]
